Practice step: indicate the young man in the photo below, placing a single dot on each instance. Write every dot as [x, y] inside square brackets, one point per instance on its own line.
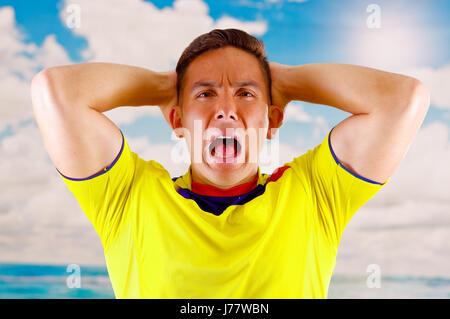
[224, 229]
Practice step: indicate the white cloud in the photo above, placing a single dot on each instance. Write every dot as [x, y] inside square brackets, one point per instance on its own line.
[424, 171]
[409, 238]
[404, 228]
[447, 115]
[18, 63]
[255, 28]
[294, 113]
[51, 53]
[437, 80]
[40, 219]
[138, 33]
[15, 100]
[127, 115]
[19, 58]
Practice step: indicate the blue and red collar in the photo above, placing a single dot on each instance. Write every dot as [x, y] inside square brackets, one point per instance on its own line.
[215, 200]
[208, 190]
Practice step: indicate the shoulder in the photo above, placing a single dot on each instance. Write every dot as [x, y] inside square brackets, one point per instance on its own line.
[150, 171]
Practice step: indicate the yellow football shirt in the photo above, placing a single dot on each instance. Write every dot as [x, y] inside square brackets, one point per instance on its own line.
[280, 240]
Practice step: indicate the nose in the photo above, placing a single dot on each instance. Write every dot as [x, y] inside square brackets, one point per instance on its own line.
[226, 111]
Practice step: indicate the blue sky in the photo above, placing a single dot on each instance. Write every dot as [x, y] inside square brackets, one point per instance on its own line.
[308, 32]
[413, 39]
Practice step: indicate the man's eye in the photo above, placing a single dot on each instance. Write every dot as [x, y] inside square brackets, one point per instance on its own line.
[208, 94]
[204, 94]
[246, 94]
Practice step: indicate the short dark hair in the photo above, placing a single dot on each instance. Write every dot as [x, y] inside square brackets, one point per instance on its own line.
[219, 38]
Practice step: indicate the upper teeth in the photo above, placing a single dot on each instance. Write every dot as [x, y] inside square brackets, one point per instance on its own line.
[220, 139]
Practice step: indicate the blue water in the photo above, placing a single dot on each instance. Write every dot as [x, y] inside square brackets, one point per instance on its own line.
[53, 281]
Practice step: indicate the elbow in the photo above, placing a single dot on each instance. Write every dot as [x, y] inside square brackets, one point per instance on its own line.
[419, 100]
[41, 88]
[41, 80]
[415, 107]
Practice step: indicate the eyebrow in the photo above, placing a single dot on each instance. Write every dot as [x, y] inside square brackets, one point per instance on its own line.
[236, 84]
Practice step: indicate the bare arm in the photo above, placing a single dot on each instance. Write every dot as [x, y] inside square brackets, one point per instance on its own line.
[387, 108]
[68, 102]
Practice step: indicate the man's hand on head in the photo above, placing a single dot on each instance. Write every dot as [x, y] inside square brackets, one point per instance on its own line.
[279, 97]
[169, 85]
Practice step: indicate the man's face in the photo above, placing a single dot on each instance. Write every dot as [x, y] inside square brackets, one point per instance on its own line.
[225, 116]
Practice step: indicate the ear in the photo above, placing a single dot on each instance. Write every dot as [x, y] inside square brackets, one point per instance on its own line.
[276, 114]
[175, 116]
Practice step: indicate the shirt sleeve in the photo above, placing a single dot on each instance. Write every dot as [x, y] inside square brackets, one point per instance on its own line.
[337, 193]
[104, 196]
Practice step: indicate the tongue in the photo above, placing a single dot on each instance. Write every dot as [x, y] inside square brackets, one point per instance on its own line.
[224, 149]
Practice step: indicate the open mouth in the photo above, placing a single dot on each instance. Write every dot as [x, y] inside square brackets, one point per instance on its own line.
[225, 148]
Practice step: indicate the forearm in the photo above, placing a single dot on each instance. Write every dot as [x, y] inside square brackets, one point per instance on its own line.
[104, 86]
[351, 88]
